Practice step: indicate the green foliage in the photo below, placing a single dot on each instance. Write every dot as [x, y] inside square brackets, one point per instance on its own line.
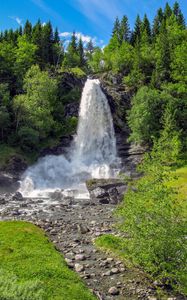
[28, 138]
[25, 55]
[154, 220]
[96, 62]
[31, 268]
[144, 116]
[71, 125]
[36, 106]
[78, 72]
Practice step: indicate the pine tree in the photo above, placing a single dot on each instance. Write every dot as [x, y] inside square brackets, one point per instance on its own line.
[90, 47]
[137, 31]
[146, 27]
[20, 30]
[116, 28]
[178, 13]
[157, 22]
[56, 36]
[167, 11]
[47, 44]
[81, 53]
[37, 40]
[28, 30]
[163, 62]
[124, 30]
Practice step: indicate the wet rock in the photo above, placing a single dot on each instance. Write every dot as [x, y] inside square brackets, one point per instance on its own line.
[104, 201]
[2, 200]
[113, 195]
[99, 193]
[17, 196]
[113, 291]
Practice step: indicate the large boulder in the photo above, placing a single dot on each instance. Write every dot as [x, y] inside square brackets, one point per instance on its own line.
[106, 191]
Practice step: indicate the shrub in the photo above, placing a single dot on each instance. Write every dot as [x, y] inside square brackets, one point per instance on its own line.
[28, 138]
[153, 219]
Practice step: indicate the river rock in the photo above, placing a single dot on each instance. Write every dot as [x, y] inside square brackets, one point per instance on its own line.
[113, 291]
[99, 193]
[17, 196]
[79, 268]
[80, 257]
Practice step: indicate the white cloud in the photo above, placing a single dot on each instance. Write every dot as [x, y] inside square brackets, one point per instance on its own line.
[17, 19]
[85, 38]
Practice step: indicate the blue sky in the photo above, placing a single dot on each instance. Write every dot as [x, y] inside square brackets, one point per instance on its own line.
[90, 18]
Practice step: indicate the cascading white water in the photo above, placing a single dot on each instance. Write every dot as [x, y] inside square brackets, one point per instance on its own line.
[92, 154]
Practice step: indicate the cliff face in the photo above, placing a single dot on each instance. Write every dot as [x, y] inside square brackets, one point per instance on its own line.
[119, 99]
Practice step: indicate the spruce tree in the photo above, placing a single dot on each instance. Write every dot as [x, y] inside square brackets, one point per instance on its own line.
[163, 61]
[124, 30]
[167, 11]
[90, 47]
[179, 15]
[28, 30]
[157, 22]
[116, 28]
[137, 31]
[81, 53]
[37, 40]
[146, 27]
[56, 36]
[47, 44]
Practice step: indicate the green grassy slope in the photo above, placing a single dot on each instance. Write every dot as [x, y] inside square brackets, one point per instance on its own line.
[31, 268]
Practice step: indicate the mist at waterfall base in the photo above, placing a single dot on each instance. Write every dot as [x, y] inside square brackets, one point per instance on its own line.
[91, 155]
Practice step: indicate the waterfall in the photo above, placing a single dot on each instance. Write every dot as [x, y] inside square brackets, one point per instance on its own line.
[93, 152]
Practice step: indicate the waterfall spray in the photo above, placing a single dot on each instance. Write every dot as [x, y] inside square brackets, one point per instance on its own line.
[93, 151]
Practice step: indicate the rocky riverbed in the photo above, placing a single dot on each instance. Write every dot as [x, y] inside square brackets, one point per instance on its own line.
[72, 225]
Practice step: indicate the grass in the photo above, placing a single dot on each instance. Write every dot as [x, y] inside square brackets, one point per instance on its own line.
[31, 268]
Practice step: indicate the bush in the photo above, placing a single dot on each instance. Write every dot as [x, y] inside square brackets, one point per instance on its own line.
[28, 138]
[155, 222]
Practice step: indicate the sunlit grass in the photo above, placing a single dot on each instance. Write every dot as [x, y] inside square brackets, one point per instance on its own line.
[31, 268]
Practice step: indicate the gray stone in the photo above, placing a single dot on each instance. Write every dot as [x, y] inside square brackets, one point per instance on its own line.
[80, 257]
[113, 291]
[79, 268]
[17, 196]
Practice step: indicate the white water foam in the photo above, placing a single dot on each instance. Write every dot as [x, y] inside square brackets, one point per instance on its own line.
[93, 153]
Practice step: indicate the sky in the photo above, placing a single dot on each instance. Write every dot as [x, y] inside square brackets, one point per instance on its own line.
[89, 18]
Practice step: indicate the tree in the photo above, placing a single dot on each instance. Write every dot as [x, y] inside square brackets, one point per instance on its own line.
[178, 13]
[28, 30]
[47, 44]
[25, 56]
[116, 28]
[167, 11]
[37, 40]
[4, 120]
[81, 53]
[56, 36]
[35, 107]
[145, 114]
[137, 31]
[90, 47]
[145, 27]
[124, 32]
[72, 58]
[163, 57]
[157, 22]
